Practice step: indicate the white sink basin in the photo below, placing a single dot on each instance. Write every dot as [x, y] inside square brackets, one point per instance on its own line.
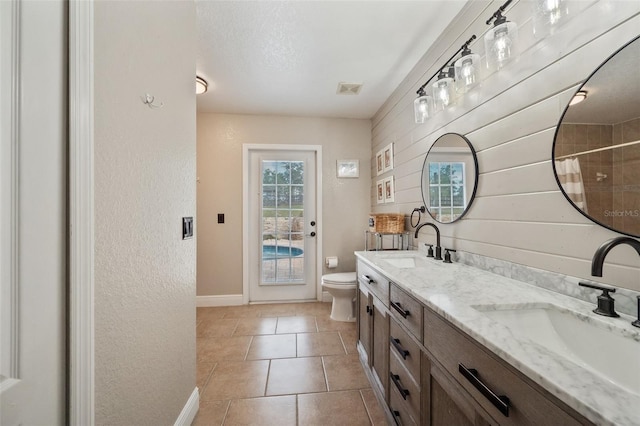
[402, 262]
[595, 345]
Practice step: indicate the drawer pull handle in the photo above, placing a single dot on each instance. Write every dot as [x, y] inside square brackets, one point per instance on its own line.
[398, 307]
[402, 351]
[501, 402]
[368, 279]
[396, 381]
[396, 417]
[370, 310]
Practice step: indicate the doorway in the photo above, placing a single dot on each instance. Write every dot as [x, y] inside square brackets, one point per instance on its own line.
[281, 223]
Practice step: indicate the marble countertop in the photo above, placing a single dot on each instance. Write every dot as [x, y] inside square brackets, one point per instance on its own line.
[453, 289]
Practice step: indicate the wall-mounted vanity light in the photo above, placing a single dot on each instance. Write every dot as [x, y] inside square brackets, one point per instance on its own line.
[422, 107]
[500, 40]
[201, 85]
[443, 89]
[467, 70]
[578, 97]
[547, 14]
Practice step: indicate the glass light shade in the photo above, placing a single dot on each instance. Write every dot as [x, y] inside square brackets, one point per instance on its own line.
[443, 92]
[578, 97]
[547, 15]
[499, 44]
[422, 108]
[467, 69]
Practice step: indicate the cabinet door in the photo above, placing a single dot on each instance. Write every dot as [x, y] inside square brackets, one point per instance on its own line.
[380, 344]
[446, 403]
[365, 315]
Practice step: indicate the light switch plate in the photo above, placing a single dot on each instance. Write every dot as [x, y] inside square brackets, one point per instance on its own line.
[187, 227]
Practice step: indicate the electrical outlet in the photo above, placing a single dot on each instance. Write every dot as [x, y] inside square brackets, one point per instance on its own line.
[220, 217]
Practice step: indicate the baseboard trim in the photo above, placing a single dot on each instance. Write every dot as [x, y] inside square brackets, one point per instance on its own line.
[222, 300]
[189, 410]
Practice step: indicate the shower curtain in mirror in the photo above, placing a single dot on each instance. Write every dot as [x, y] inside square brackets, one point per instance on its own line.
[570, 177]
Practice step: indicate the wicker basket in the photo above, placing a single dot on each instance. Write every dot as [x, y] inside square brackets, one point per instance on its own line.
[392, 223]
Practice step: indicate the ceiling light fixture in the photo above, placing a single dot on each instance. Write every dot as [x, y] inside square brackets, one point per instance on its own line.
[201, 85]
[580, 96]
[442, 89]
[500, 40]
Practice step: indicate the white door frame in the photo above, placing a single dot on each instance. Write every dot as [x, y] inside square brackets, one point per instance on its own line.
[246, 149]
[81, 215]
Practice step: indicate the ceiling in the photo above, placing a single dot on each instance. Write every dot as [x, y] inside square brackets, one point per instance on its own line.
[288, 57]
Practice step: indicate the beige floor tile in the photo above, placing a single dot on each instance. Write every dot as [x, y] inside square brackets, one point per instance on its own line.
[255, 326]
[349, 339]
[376, 414]
[216, 327]
[319, 309]
[273, 410]
[244, 311]
[215, 312]
[296, 375]
[277, 310]
[327, 324]
[211, 413]
[344, 372]
[237, 379]
[222, 348]
[318, 344]
[203, 371]
[297, 324]
[273, 346]
[332, 408]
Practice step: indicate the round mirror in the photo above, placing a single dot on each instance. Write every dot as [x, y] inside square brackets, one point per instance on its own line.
[449, 177]
[596, 151]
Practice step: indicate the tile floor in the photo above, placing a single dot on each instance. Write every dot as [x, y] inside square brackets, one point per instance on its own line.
[280, 364]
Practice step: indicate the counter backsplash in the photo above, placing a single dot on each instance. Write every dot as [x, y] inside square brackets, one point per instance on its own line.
[626, 300]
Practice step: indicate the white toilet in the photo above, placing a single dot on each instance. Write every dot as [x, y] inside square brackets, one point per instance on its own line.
[342, 286]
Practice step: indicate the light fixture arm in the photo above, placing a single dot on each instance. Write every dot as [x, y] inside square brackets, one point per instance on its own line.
[497, 15]
[420, 91]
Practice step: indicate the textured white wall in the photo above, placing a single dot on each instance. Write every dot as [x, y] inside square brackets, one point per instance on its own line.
[519, 214]
[145, 183]
[345, 201]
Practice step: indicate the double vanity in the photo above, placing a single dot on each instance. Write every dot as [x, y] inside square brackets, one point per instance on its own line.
[450, 344]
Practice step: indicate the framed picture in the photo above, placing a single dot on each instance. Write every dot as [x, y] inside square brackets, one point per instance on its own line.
[387, 157]
[389, 190]
[379, 163]
[348, 168]
[380, 191]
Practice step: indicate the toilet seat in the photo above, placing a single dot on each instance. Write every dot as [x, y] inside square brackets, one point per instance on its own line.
[340, 278]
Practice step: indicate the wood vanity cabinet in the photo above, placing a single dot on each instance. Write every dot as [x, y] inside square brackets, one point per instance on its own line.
[468, 378]
[373, 326]
[429, 372]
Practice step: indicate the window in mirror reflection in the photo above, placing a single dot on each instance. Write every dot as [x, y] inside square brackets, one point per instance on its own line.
[446, 190]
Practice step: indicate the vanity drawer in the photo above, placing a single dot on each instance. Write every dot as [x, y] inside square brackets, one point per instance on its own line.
[401, 380]
[407, 310]
[400, 410]
[375, 281]
[469, 363]
[406, 349]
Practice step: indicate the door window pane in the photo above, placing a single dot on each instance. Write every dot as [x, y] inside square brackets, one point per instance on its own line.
[282, 222]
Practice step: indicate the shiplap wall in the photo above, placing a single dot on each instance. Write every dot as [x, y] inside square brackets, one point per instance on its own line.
[519, 213]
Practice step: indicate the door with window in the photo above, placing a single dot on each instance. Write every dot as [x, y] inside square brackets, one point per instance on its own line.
[283, 225]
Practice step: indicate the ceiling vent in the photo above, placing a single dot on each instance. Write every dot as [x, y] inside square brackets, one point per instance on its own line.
[348, 88]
